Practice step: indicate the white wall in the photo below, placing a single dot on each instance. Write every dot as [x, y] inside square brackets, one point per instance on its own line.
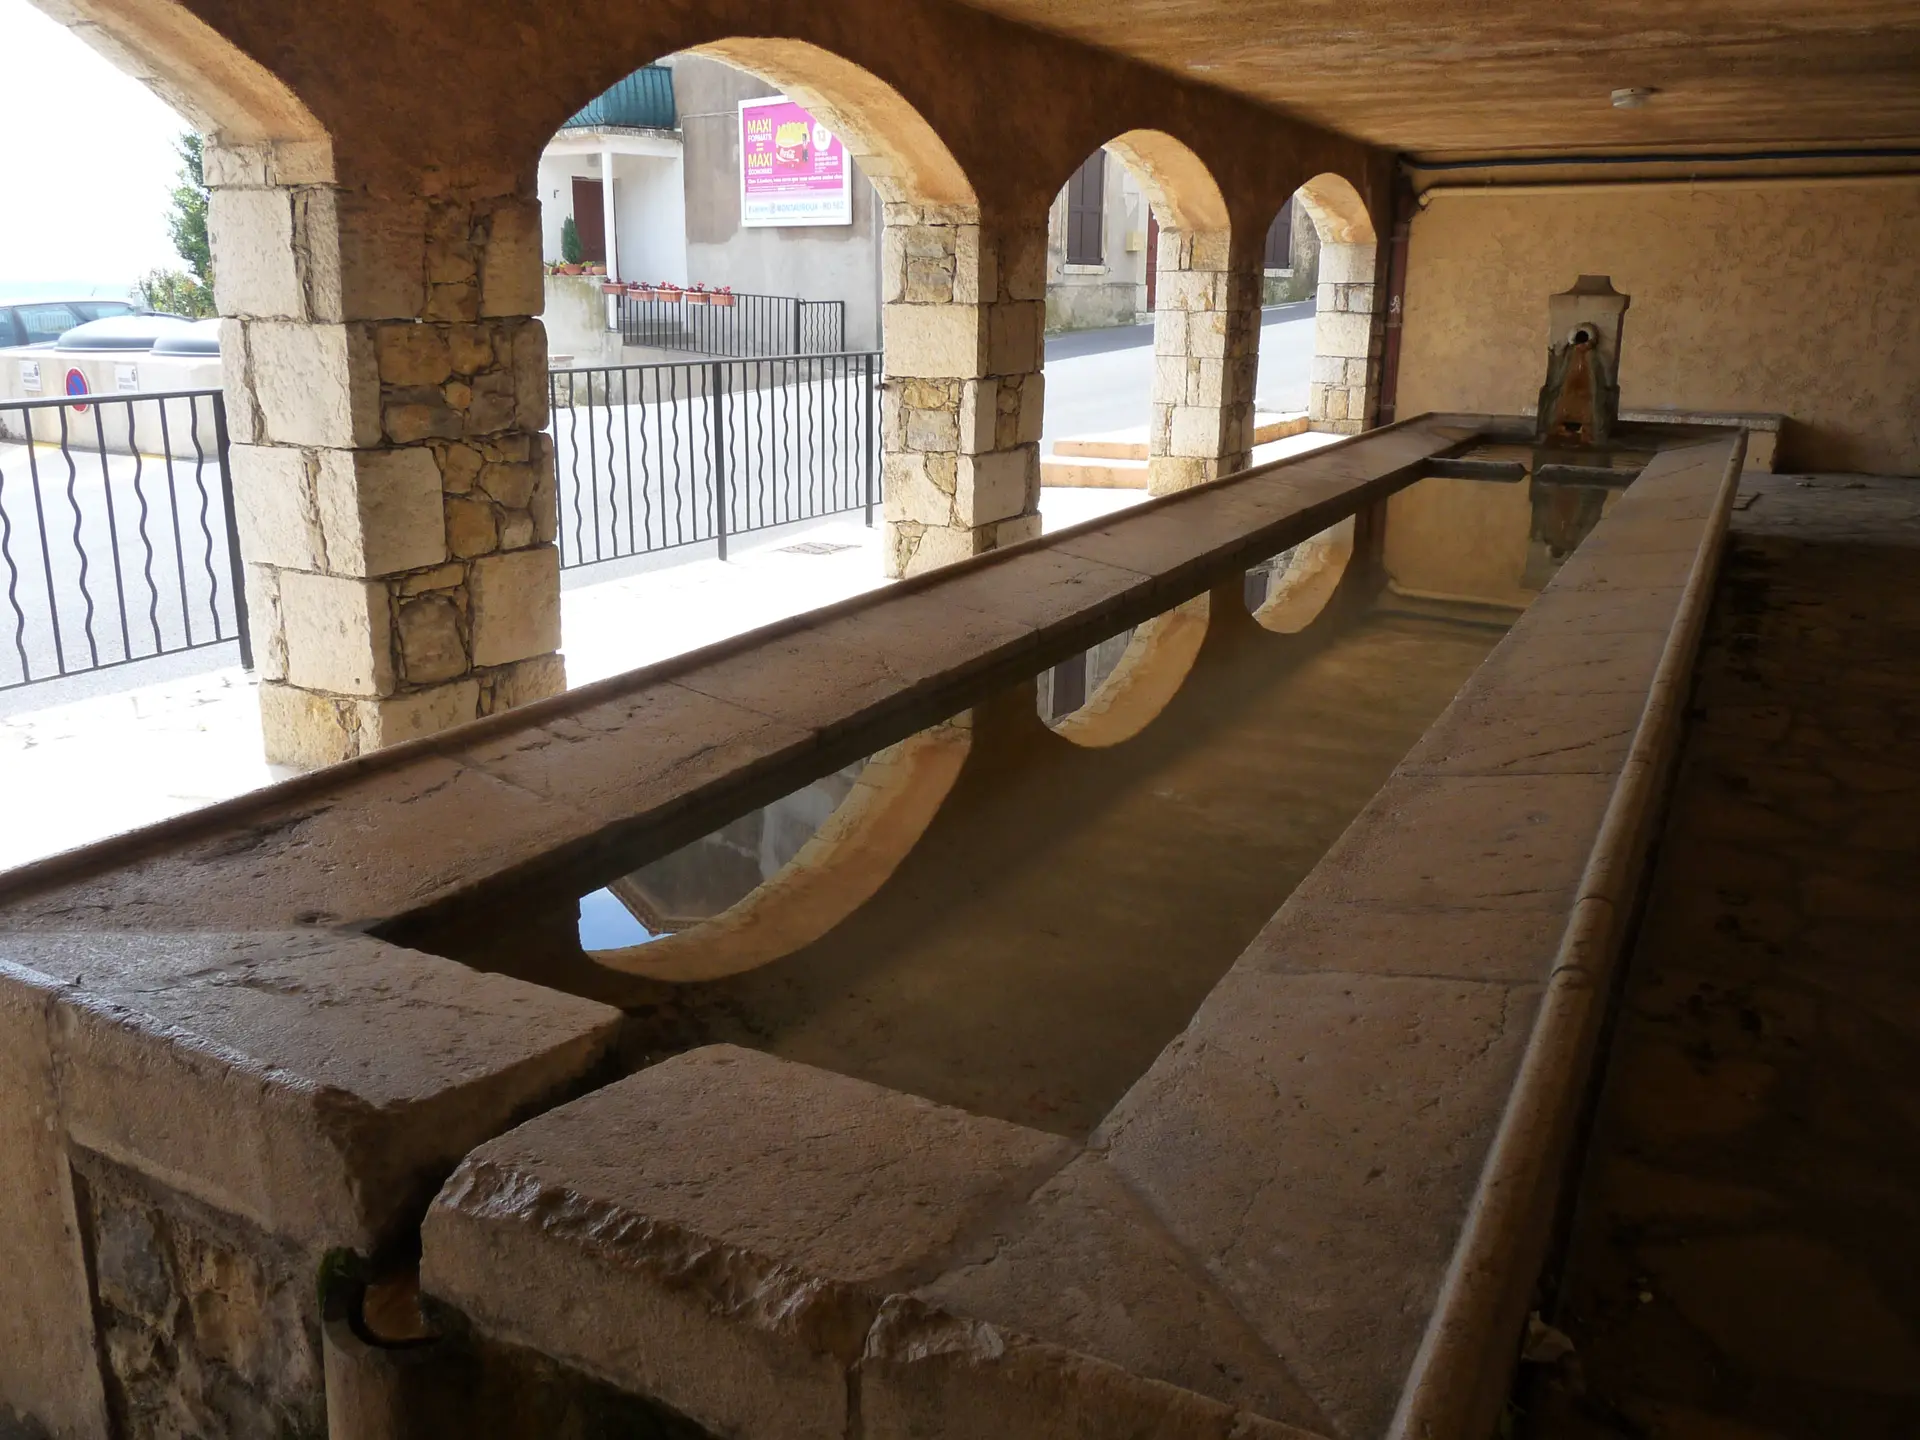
[650, 218]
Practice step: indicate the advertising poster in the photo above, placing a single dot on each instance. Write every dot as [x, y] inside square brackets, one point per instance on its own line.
[793, 170]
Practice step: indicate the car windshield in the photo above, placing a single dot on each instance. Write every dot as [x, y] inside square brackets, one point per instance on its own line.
[47, 321]
[100, 309]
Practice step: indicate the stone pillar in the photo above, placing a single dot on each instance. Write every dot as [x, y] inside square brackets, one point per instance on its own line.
[961, 408]
[1206, 346]
[386, 390]
[1346, 341]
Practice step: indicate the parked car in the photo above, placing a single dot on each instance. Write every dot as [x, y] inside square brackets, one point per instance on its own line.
[41, 322]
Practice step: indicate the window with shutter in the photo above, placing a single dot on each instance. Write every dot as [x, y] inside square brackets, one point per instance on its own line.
[1280, 239]
[1087, 211]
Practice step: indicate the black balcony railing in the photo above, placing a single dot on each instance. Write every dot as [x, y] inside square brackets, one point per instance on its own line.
[653, 457]
[642, 101]
[116, 533]
[741, 327]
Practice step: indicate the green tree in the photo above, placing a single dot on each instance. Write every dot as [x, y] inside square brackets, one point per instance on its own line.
[188, 223]
[570, 251]
[188, 292]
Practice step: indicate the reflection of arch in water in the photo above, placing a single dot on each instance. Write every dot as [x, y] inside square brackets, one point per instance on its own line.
[1158, 658]
[838, 869]
[1298, 591]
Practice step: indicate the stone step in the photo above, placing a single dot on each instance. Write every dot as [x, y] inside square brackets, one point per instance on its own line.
[1131, 443]
[1080, 471]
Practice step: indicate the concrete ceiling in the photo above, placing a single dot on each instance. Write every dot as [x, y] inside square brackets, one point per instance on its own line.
[1439, 78]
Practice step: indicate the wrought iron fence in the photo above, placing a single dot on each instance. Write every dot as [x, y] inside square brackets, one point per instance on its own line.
[653, 457]
[117, 541]
[737, 326]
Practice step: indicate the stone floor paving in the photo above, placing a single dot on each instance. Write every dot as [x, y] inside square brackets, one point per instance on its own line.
[1745, 1258]
[80, 771]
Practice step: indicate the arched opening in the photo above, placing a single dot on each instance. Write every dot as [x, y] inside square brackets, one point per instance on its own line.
[1347, 323]
[835, 273]
[1141, 233]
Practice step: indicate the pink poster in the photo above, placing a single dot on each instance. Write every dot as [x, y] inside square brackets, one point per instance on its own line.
[793, 170]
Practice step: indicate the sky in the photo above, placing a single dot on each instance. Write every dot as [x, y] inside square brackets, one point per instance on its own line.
[90, 164]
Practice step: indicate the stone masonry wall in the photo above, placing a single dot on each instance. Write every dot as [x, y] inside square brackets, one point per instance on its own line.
[961, 409]
[387, 389]
[1206, 342]
[1347, 352]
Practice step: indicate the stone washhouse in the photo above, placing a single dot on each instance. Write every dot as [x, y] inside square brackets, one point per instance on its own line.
[1413, 939]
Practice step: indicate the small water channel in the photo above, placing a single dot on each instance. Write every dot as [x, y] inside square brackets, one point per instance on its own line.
[1067, 907]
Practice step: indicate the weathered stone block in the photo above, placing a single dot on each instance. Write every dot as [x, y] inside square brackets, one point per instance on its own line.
[379, 510]
[722, 1206]
[393, 718]
[471, 527]
[979, 414]
[251, 236]
[933, 340]
[516, 605]
[413, 354]
[274, 505]
[1197, 432]
[511, 281]
[992, 487]
[339, 633]
[1347, 264]
[382, 246]
[313, 384]
[1016, 339]
[264, 622]
[530, 395]
[522, 683]
[431, 648]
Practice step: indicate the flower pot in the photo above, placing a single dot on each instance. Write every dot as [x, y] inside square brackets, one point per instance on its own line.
[670, 296]
[697, 297]
[569, 269]
[721, 300]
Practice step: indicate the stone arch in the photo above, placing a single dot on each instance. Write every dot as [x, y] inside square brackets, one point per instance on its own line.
[1348, 325]
[225, 93]
[960, 403]
[1206, 319]
[899, 151]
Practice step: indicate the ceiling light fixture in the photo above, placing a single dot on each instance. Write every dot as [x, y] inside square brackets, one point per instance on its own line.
[1634, 97]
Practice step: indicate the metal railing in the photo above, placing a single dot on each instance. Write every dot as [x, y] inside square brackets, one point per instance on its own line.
[641, 101]
[736, 326]
[653, 457]
[117, 541]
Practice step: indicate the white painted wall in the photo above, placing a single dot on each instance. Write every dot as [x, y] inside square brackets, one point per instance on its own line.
[650, 217]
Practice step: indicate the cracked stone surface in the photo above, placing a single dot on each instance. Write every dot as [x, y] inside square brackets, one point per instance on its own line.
[1746, 1259]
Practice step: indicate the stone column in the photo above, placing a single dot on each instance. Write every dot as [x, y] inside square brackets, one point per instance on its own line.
[1206, 345]
[1346, 340]
[386, 392]
[961, 408]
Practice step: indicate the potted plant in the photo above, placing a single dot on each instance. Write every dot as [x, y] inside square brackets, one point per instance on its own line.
[667, 291]
[723, 296]
[697, 295]
[571, 253]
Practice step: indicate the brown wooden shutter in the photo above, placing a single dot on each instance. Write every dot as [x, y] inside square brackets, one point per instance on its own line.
[1087, 212]
[590, 219]
[1280, 239]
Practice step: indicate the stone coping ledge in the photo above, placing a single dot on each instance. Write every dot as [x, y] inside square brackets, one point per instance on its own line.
[1319, 1212]
[652, 759]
